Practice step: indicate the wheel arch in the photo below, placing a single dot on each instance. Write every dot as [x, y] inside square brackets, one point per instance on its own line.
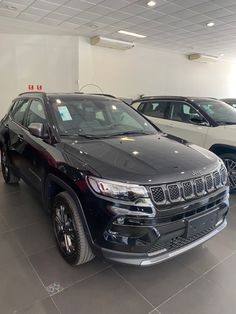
[220, 149]
[53, 186]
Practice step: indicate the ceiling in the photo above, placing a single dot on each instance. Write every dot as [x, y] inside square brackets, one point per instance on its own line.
[179, 25]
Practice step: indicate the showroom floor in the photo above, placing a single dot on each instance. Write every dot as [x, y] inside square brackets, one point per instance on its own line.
[35, 279]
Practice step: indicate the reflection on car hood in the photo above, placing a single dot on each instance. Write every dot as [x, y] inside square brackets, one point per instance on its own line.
[150, 159]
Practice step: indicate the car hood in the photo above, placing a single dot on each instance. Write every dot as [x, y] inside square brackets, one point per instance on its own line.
[148, 159]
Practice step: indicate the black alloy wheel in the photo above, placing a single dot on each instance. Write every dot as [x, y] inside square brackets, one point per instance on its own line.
[230, 163]
[7, 173]
[69, 232]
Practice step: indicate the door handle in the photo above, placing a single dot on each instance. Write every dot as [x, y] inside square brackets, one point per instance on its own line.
[20, 137]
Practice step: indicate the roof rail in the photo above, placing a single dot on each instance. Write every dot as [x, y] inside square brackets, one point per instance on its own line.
[25, 93]
[106, 95]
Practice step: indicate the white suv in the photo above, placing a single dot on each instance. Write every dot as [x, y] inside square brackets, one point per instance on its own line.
[207, 122]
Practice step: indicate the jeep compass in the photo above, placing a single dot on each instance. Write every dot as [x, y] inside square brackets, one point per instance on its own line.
[112, 183]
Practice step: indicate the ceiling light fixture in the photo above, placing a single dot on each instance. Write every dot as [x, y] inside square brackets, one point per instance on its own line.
[210, 24]
[131, 34]
[151, 3]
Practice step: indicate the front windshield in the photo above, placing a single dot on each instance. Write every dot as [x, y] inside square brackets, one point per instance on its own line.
[98, 117]
[219, 111]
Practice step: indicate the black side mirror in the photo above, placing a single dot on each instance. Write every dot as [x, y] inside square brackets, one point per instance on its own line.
[37, 129]
[198, 120]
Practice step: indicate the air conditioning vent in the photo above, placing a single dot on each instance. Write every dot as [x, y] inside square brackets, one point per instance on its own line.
[202, 58]
[111, 43]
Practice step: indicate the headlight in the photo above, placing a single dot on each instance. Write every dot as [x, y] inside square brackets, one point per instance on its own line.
[118, 190]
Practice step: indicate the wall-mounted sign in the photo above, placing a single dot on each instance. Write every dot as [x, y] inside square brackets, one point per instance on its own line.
[35, 87]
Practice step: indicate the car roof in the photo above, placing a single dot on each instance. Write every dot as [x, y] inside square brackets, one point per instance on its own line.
[231, 99]
[71, 95]
[161, 97]
[180, 98]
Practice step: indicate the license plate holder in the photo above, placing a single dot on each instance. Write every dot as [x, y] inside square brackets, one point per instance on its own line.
[201, 223]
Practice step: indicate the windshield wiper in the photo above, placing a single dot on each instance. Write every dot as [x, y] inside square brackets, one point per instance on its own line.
[133, 132]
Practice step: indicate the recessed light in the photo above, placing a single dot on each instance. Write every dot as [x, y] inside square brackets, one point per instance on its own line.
[151, 3]
[131, 34]
[222, 55]
[210, 24]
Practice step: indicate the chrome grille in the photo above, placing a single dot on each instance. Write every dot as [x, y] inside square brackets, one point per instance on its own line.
[180, 191]
[188, 189]
[217, 179]
[224, 176]
[174, 192]
[199, 185]
[158, 194]
[209, 183]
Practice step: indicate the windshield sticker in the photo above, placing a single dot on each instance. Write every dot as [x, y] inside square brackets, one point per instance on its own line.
[64, 113]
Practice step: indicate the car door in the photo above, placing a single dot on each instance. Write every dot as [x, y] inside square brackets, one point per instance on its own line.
[14, 141]
[186, 122]
[155, 111]
[34, 148]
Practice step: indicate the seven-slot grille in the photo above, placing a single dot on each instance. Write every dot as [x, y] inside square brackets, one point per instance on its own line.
[190, 189]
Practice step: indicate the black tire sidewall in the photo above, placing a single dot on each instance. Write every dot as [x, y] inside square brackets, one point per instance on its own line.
[71, 259]
[6, 177]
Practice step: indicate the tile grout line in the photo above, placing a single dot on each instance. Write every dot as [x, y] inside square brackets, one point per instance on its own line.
[37, 301]
[133, 287]
[81, 280]
[59, 311]
[225, 259]
[195, 280]
[12, 229]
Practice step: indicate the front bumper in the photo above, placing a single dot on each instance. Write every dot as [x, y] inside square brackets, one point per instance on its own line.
[161, 255]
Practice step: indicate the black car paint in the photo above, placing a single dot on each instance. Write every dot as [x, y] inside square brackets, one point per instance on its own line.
[63, 163]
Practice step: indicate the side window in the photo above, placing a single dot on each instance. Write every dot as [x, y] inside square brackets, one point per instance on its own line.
[182, 112]
[19, 110]
[156, 109]
[136, 105]
[36, 113]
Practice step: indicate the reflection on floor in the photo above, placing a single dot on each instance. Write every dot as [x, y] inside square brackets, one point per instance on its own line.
[35, 279]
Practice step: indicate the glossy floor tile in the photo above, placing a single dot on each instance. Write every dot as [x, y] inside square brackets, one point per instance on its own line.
[34, 279]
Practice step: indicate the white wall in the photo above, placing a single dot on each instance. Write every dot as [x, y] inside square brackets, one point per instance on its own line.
[147, 70]
[57, 62]
[36, 59]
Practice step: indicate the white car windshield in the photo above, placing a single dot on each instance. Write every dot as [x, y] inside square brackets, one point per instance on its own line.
[217, 110]
[98, 117]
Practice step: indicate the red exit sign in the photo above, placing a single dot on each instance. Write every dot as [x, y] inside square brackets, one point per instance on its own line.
[33, 87]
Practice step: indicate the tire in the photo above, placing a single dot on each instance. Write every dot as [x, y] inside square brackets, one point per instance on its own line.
[230, 163]
[69, 232]
[7, 173]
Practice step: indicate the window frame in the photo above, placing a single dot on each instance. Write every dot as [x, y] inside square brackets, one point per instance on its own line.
[166, 113]
[28, 109]
[14, 109]
[192, 107]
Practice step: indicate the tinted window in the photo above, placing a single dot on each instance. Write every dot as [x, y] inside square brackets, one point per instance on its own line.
[98, 117]
[19, 110]
[155, 109]
[182, 112]
[36, 113]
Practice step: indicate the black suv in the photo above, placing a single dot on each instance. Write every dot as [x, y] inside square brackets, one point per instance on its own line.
[113, 184]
